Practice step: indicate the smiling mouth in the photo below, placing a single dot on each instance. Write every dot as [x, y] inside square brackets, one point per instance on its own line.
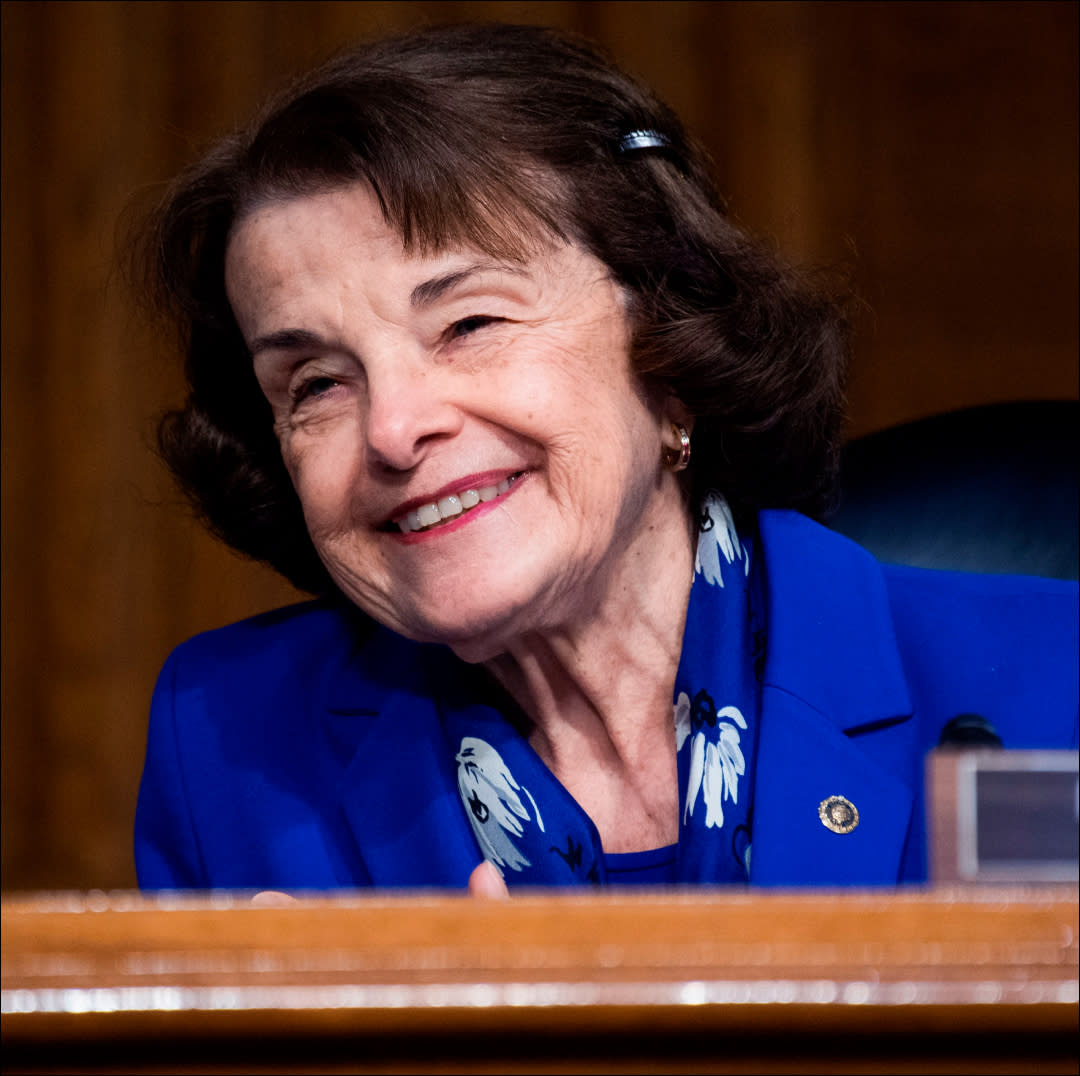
[429, 516]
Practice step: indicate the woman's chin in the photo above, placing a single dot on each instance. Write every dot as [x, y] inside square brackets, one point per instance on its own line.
[475, 631]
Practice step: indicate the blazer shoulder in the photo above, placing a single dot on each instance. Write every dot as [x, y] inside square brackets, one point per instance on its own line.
[273, 643]
[326, 652]
[310, 620]
[1004, 646]
[985, 610]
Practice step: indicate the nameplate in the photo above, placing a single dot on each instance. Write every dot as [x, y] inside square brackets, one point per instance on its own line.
[1003, 816]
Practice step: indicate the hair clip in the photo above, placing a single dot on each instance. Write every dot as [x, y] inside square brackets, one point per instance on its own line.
[643, 139]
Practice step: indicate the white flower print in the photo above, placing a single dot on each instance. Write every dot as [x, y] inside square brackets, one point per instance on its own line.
[492, 803]
[718, 542]
[682, 720]
[715, 767]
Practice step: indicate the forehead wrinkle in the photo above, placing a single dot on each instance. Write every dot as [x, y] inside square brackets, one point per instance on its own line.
[430, 291]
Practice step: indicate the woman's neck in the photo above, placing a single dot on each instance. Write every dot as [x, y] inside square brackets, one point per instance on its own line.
[598, 691]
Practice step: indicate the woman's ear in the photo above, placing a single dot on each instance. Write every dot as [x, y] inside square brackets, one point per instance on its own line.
[675, 416]
[675, 412]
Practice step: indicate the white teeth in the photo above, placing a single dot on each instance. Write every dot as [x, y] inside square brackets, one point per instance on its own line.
[428, 515]
[449, 506]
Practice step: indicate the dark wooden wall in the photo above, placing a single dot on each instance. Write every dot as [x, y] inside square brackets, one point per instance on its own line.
[932, 146]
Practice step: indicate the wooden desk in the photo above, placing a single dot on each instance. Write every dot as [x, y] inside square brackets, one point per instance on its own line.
[949, 980]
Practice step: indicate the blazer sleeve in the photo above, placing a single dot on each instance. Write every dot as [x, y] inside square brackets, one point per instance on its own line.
[167, 854]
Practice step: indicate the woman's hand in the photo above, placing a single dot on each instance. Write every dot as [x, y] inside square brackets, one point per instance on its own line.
[272, 898]
[486, 882]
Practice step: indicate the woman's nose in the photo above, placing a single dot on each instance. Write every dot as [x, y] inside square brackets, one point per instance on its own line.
[408, 414]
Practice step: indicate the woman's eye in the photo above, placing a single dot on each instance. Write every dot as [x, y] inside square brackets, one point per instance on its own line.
[467, 326]
[312, 388]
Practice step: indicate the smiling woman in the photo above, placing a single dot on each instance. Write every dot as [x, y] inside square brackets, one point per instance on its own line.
[406, 387]
[477, 358]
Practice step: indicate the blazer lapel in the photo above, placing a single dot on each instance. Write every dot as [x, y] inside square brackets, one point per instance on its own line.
[832, 669]
[803, 761]
[400, 793]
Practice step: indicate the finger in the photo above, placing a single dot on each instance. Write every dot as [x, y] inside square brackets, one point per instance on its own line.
[272, 898]
[486, 882]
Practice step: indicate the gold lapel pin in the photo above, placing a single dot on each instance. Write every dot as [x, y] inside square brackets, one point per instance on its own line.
[838, 813]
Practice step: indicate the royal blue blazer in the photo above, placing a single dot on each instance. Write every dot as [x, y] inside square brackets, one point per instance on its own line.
[287, 751]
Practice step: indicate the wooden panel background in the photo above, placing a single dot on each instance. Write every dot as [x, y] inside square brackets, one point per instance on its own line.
[932, 146]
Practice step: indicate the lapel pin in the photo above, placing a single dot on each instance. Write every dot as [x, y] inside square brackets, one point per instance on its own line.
[838, 813]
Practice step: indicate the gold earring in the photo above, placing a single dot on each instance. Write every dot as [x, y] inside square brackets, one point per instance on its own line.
[678, 459]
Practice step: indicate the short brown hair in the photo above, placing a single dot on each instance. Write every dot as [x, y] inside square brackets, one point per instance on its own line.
[494, 135]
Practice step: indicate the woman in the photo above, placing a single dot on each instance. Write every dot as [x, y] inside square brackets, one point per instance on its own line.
[475, 355]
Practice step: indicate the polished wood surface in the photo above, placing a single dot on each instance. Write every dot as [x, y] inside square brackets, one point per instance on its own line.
[931, 147]
[970, 979]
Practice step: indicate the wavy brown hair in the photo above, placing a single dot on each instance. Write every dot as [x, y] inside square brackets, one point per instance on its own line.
[495, 136]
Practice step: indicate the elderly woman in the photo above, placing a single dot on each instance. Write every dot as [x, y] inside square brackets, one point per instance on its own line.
[476, 357]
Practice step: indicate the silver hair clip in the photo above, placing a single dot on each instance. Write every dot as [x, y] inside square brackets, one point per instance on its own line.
[643, 139]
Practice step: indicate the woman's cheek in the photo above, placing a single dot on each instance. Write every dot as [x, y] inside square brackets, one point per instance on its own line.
[293, 456]
[328, 475]
[302, 461]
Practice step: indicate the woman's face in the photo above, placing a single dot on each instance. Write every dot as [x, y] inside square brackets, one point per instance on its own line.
[471, 450]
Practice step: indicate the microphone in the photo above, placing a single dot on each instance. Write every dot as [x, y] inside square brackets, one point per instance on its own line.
[968, 730]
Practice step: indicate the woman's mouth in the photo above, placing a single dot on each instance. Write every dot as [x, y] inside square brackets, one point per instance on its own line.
[446, 509]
